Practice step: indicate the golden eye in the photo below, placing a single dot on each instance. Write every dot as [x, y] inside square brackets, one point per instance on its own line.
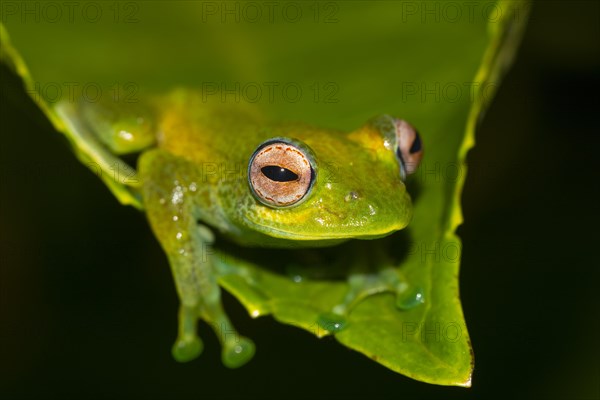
[280, 174]
[409, 148]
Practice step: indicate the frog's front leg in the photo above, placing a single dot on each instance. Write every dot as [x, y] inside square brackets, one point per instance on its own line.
[168, 195]
[123, 128]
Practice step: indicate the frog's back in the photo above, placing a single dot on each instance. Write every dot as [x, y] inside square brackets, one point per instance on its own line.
[203, 130]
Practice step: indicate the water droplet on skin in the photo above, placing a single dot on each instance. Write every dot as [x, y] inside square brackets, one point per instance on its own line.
[123, 134]
[332, 322]
[351, 196]
[177, 197]
[410, 298]
[387, 144]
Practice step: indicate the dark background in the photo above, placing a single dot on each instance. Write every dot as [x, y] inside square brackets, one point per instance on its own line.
[88, 308]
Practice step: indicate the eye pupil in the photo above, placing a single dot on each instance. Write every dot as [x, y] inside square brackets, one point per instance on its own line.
[416, 146]
[279, 174]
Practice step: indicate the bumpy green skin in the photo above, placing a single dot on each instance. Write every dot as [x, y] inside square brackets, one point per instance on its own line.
[194, 181]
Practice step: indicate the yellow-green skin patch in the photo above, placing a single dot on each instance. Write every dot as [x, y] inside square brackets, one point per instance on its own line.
[358, 192]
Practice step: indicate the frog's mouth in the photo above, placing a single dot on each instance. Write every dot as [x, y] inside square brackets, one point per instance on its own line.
[328, 226]
[281, 238]
[340, 235]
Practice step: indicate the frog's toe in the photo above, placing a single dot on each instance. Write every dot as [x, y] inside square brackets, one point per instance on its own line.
[409, 298]
[333, 321]
[187, 349]
[237, 353]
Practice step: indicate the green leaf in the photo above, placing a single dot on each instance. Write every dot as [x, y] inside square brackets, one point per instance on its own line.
[348, 61]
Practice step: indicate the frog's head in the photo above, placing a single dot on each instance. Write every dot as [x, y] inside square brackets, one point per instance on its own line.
[311, 184]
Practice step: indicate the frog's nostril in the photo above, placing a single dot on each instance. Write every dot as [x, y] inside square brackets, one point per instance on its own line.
[351, 196]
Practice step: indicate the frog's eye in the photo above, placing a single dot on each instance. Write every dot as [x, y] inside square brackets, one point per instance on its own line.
[280, 174]
[409, 148]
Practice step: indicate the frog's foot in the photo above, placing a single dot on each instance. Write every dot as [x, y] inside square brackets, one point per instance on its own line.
[363, 285]
[237, 349]
[188, 345]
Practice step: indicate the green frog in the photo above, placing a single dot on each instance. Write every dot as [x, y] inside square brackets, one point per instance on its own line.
[222, 171]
